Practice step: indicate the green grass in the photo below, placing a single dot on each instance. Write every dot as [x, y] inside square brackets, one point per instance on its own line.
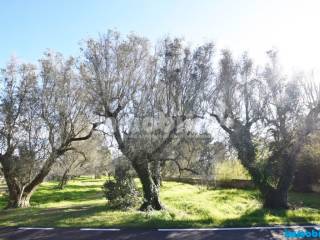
[81, 204]
[231, 169]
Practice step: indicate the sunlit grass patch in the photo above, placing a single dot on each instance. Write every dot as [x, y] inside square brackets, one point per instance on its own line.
[82, 204]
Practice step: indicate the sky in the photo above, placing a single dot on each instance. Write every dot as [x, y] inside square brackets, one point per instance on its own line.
[28, 28]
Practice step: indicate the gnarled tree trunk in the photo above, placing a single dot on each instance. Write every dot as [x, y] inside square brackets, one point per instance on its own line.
[19, 200]
[19, 197]
[150, 189]
[278, 198]
[156, 172]
[275, 199]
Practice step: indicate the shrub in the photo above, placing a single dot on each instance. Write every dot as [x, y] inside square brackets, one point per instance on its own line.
[308, 166]
[306, 175]
[121, 192]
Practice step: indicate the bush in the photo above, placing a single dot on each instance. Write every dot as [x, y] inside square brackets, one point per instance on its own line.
[308, 166]
[121, 192]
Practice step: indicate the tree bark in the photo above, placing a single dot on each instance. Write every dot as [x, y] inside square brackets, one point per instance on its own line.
[276, 199]
[64, 179]
[19, 197]
[150, 189]
[156, 173]
[273, 198]
[19, 200]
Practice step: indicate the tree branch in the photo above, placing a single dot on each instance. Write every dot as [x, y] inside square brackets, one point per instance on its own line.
[224, 127]
[94, 126]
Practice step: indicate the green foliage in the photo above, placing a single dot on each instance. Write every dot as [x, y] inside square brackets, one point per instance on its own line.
[121, 194]
[308, 167]
[121, 191]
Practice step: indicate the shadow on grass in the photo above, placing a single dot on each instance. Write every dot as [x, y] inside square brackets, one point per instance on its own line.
[311, 200]
[46, 217]
[102, 216]
[263, 217]
[50, 194]
[74, 193]
[86, 216]
[3, 202]
[258, 217]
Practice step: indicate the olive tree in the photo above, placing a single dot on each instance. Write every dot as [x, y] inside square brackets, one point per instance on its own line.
[40, 117]
[267, 121]
[145, 96]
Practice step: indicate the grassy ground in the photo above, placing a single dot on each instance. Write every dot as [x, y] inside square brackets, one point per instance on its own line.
[81, 203]
[231, 169]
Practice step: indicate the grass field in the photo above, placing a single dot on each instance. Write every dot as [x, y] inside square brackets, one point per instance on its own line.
[81, 204]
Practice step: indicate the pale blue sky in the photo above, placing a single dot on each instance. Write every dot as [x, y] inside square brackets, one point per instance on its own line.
[28, 27]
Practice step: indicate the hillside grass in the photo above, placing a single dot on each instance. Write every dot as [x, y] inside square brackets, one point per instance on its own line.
[82, 204]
